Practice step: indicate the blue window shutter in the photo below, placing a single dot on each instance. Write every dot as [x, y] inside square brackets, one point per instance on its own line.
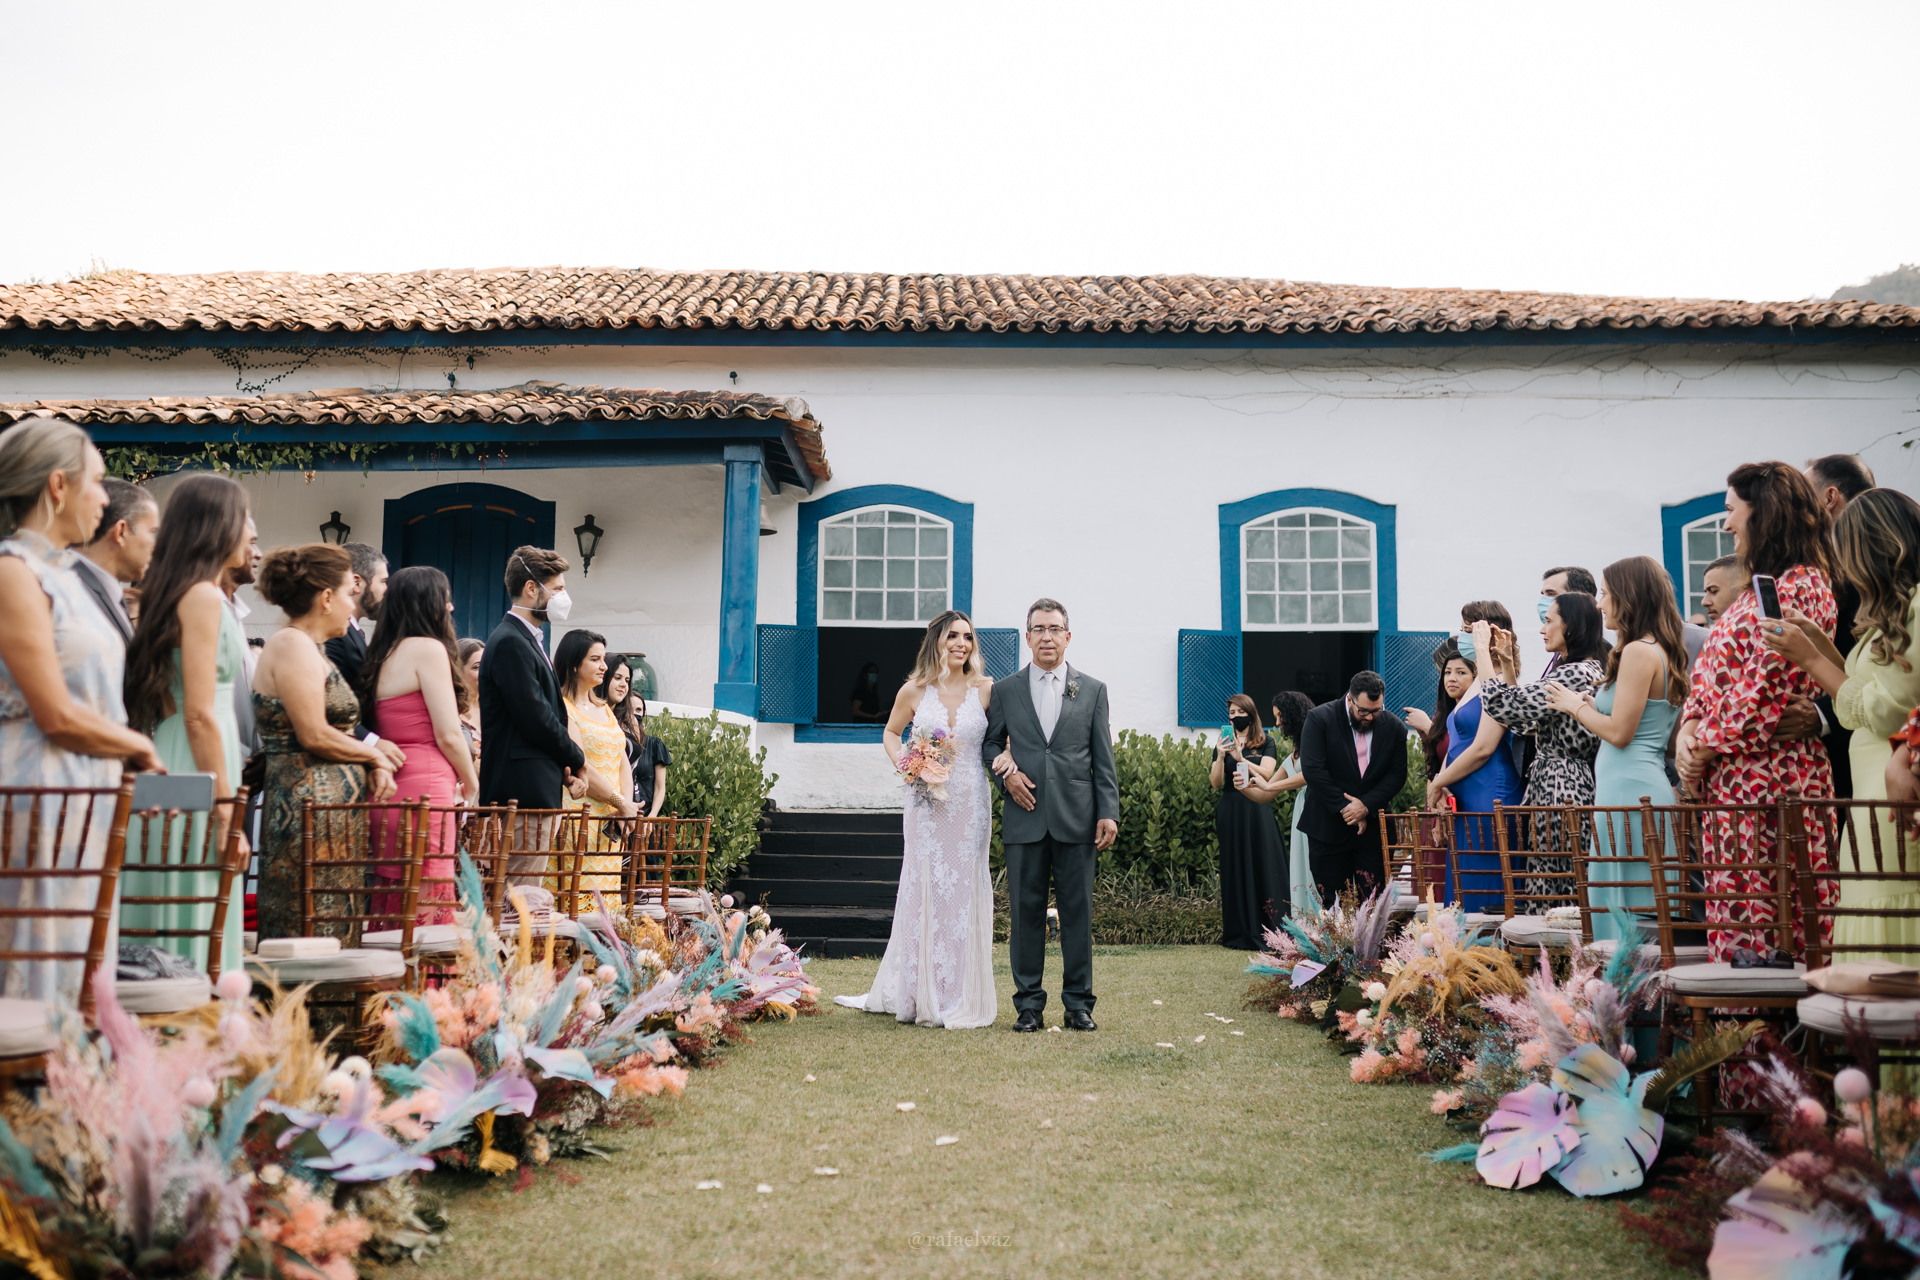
[789, 665]
[1000, 648]
[1209, 675]
[1406, 664]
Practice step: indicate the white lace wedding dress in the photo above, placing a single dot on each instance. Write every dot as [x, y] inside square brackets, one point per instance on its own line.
[938, 969]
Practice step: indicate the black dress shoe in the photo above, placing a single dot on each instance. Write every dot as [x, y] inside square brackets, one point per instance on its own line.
[1081, 1020]
[1029, 1020]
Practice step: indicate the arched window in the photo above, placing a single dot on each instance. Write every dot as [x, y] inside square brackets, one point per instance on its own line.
[1705, 540]
[884, 567]
[1309, 569]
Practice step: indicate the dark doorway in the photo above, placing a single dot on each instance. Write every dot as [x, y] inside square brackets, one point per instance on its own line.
[467, 531]
[1317, 663]
[849, 692]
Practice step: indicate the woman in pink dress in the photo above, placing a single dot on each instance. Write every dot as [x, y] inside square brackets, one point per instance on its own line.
[411, 679]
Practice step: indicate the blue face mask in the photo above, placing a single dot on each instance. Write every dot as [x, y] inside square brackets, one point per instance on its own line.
[1465, 641]
[1546, 602]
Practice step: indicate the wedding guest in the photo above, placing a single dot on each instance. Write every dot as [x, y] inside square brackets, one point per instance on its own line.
[349, 650]
[1720, 585]
[187, 655]
[580, 665]
[410, 672]
[1633, 715]
[1253, 887]
[1838, 479]
[532, 755]
[118, 553]
[1563, 770]
[1877, 546]
[1727, 751]
[1354, 754]
[470, 652]
[236, 577]
[306, 712]
[1456, 677]
[1290, 710]
[61, 662]
[647, 756]
[1480, 769]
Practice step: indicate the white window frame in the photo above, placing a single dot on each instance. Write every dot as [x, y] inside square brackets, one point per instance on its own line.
[1716, 522]
[923, 519]
[1373, 574]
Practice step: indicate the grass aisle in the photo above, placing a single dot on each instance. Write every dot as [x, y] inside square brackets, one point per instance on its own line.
[1243, 1155]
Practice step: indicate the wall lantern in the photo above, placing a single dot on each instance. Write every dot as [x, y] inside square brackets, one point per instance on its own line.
[334, 531]
[588, 536]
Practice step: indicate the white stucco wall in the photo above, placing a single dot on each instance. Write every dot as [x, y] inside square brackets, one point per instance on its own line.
[1096, 475]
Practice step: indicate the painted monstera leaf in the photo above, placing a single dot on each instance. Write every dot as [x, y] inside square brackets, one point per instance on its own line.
[1619, 1138]
[1306, 971]
[1780, 1233]
[1530, 1133]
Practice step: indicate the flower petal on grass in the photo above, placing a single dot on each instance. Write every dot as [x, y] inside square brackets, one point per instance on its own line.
[1199, 1039]
[826, 1171]
[1163, 1044]
[764, 1189]
[903, 1106]
[806, 1080]
[712, 1184]
[1159, 1002]
[945, 1140]
[1236, 1033]
[1046, 1124]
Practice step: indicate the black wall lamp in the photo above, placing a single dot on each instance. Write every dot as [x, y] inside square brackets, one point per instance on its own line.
[588, 536]
[335, 531]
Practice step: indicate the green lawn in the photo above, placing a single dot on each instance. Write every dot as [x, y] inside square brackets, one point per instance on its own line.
[1078, 1155]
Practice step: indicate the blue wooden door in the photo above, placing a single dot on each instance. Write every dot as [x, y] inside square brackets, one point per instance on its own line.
[467, 532]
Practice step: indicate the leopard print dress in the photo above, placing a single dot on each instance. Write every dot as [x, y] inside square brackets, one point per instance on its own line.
[1562, 770]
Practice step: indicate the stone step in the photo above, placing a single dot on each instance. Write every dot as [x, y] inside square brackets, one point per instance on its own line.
[781, 865]
[866, 923]
[869, 844]
[780, 894]
[862, 821]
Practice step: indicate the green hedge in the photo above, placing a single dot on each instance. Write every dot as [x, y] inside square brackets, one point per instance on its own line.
[714, 772]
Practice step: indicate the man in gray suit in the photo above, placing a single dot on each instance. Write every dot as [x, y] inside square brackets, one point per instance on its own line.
[120, 551]
[1048, 745]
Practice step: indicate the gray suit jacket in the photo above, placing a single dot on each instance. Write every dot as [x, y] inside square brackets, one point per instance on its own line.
[1074, 783]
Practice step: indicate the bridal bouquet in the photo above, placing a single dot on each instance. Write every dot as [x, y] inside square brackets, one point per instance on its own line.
[926, 762]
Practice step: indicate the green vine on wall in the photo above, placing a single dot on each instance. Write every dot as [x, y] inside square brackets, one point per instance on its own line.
[140, 463]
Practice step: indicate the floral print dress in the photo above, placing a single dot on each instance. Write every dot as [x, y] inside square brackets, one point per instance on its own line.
[1562, 770]
[1737, 692]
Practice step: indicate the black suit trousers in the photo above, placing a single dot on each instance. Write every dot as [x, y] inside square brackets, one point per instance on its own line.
[1338, 866]
[1070, 870]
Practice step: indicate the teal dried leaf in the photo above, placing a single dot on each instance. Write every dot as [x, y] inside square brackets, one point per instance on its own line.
[1529, 1134]
[1780, 1233]
[1619, 1137]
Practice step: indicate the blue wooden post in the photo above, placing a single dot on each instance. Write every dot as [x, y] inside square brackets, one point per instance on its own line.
[738, 688]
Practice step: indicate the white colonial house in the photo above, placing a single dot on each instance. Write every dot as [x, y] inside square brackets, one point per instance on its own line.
[1232, 484]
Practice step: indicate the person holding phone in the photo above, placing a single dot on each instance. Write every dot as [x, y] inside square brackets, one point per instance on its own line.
[1482, 766]
[1726, 751]
[1253, 867]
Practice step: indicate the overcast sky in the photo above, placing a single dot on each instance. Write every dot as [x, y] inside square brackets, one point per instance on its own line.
[1748, 150]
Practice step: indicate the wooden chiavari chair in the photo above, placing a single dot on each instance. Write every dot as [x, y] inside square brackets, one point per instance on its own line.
[671, 871]
[546, 850]
[1400, 835]
[1685, 893]
[163, 849]
[432, 949]
[42, 832]
[1523, 832]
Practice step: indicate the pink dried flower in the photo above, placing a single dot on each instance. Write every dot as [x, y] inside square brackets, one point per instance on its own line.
[1809, 1111]
[1445, 1100]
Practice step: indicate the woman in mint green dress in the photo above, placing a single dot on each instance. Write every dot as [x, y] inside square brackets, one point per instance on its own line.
[187, 653]
[1633, 714]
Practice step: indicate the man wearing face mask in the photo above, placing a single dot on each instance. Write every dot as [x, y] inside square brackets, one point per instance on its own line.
[529, 754]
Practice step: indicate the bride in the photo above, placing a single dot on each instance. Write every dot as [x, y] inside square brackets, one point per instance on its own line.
[938, 969]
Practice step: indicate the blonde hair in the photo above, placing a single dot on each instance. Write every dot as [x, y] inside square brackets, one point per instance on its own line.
[29, 455]
[1877, 540]
[932, 662]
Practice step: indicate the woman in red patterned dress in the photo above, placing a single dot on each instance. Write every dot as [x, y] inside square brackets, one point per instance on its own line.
[1726, 749]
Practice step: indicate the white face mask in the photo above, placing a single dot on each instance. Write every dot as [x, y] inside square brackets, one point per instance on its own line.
[559, 605]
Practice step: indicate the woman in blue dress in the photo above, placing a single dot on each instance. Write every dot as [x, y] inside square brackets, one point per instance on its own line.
[1481, 770]
[1633, 713]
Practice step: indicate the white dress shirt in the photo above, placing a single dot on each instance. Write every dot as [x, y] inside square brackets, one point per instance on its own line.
[1048, 688]
[539, 641]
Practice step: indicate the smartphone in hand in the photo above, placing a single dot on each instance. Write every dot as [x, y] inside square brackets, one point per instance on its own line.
[1768, 594]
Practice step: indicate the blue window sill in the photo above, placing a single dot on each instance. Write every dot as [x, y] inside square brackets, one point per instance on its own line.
[837, 733]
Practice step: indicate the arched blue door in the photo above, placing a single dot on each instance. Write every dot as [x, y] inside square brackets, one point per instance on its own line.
[467, 531]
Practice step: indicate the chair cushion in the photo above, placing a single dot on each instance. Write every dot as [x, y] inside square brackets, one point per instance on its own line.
[1725, 980]
[24, 1028]
[163, 995]
[428, 940]
[1651, 950]
[1538, 931]
[1894, 1020]
[361, 964]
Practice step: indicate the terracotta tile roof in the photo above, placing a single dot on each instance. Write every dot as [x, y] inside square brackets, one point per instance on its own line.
[533, 403]
[560, 298]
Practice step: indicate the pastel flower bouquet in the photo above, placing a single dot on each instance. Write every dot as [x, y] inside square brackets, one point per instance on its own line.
[925, 762]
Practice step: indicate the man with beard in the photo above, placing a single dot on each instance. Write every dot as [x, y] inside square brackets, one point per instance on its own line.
[350, 650]
[231, 582]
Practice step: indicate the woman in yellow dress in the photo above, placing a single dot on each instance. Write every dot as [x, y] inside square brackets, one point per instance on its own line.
[580, 662]
[1877, 538]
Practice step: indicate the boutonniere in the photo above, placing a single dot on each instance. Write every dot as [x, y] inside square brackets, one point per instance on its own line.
[1073, 687]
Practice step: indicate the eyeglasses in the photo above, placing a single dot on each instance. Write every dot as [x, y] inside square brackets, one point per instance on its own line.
[1056, 632]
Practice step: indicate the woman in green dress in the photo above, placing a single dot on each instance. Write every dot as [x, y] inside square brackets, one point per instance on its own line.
[306, 712]
[182, 663]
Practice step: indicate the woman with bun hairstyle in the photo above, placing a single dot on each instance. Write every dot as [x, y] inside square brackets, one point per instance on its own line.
[306, 712]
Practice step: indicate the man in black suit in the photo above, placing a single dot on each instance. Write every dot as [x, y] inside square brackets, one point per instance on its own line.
[1354, 754]
[529, 756]
[120, 551]
[349, 651]
[1838, 479]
